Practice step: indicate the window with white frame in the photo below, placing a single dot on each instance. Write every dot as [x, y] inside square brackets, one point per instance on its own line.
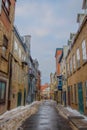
[15, 46]
[86, 91]
[84, 50]
[19, 53]
[74, 63]
[78, 57]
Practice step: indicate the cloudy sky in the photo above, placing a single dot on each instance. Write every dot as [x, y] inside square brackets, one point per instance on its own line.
[49, 22]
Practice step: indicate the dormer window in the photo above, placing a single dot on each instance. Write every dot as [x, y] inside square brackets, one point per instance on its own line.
[80, 18]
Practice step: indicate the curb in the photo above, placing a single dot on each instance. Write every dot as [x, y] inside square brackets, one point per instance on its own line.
[76, 122]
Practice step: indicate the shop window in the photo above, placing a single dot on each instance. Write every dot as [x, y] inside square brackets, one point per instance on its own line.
[2, 91]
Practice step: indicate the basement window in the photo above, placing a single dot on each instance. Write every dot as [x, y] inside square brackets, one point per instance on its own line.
[2, 91]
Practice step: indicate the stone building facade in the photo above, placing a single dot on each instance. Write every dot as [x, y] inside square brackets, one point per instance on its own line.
[7, 9]
[19, 72]
[77, 70]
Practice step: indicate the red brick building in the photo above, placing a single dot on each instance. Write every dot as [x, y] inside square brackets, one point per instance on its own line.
[58, 74]
[57, 56]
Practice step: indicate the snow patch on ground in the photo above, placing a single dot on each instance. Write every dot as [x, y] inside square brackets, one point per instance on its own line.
[17, 110]
[76, 113]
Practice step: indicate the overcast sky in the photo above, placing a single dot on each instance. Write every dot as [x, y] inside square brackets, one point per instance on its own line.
[49, 22]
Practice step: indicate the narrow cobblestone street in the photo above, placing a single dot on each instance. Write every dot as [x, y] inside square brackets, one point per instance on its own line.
[47, 118]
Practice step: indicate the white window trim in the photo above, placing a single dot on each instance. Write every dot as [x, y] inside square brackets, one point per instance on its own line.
[84, 53]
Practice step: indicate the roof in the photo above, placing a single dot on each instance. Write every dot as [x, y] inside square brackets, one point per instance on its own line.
[43, 87]
[79, 17]
[77, 34]
[19, 37]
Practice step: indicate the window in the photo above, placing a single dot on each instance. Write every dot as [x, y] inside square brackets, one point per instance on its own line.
[24, 58]
[6, 4]
[74, 64]
[5, 41]
[78, 58]
[67, 68]
[15, 46]
[71, 65]
[5, 45]
[19, 53]
[2, 91]
[84, 51]
[86, 92]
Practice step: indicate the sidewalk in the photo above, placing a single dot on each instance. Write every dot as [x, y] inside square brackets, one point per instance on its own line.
[11, 120]
[77, 120]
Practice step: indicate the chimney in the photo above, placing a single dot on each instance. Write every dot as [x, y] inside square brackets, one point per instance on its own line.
[84, 6]
[27, 40]
[80, 18]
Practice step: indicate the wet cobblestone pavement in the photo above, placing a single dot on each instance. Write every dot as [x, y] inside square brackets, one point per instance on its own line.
[47, 118]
